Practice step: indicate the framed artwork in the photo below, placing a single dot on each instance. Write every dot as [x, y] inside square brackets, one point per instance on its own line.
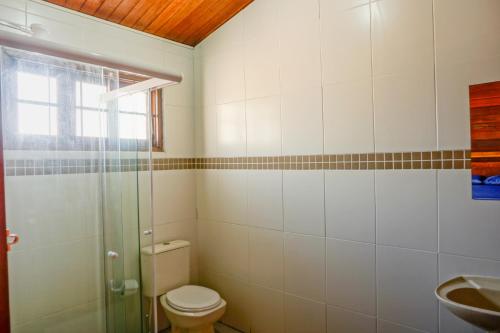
[485, 140]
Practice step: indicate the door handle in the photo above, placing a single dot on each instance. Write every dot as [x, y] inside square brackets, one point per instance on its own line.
[12, 239]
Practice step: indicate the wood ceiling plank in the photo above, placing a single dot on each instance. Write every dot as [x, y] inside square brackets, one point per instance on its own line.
[148, 17]
[124, 8]
[184, 21]
[194, 24]
[74, 4]
[132, 17]
[169, 17]
[211, 18]
[106, 8]
[91, 6]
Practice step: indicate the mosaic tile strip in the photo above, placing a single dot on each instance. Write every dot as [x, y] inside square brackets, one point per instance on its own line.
[39, 167]
[445, 159]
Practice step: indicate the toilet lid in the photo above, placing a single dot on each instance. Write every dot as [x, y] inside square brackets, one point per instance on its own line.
[193, 298]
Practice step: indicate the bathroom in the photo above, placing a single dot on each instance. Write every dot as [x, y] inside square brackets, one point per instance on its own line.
[299, 166]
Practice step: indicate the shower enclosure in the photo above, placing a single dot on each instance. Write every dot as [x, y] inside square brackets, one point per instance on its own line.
[77, 163]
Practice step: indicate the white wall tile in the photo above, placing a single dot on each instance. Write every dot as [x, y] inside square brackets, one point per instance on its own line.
[350, 279]
[404, 106]
[406, 280]
[344, 321]
[231, 129]
[402, 35]
[451, 266]
[350, 205]
[305, 266]
[302, 122]
[262, 75]
[265, 199]
[302, 315]
[178, 127]
[207, 183]
[345, 23]
[466, 226]
[209, 247]
[407, 208]
[174, 194]
[266, 258]
[463, 31]
[300, 64]
[348, 117]
[206, 131]
[259, 20]
[267, 309]
[237, 295]
[232, 194]
[205, 71]
[232, 250]
[230, 76]
[261, 49]
[224, 249]
[303, 202]
[263, 121]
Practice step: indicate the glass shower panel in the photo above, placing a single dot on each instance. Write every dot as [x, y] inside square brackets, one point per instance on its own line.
[72, 175]
[126, 151]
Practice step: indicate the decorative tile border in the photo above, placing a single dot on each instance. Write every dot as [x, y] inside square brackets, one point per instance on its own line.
[445, 159]
[39, 167]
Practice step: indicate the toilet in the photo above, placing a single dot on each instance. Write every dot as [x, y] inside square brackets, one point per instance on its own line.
[189, 308]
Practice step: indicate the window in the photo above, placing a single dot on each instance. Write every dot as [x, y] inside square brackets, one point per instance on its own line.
[53, 107]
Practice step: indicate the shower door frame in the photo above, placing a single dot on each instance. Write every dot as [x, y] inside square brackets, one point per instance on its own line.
[4, 278]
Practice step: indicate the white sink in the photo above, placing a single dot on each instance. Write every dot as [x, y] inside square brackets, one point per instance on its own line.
[475, 299]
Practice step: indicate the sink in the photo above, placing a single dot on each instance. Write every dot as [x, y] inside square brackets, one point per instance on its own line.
[475, 299]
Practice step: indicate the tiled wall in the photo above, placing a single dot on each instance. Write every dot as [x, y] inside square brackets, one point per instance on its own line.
[330, 250]
[56, 270]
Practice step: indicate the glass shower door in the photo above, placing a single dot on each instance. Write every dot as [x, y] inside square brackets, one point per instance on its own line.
[126, 164]
[71, 183]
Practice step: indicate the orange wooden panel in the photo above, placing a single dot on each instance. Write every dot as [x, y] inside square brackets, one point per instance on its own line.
[485, 128]
[184, 21]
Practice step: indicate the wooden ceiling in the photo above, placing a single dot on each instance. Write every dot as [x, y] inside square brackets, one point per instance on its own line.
[184, 21]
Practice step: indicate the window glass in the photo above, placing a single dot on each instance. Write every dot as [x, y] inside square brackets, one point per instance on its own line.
[36, 119]
[36, 88]
[36, 104]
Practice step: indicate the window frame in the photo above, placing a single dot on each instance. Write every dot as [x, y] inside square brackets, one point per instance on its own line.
[66, 138]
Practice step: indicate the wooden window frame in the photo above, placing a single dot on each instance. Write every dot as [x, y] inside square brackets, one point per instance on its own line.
[66, 139]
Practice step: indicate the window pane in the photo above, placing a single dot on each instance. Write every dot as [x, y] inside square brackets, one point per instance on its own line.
[91, 123]
[37, 88]
[136, 103]
[88, 94]
[132, 126]
[36, 119]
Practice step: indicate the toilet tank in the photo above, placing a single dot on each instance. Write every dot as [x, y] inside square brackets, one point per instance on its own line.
[172, 267]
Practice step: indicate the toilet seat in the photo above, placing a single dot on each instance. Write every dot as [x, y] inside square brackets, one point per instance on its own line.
[193, 299]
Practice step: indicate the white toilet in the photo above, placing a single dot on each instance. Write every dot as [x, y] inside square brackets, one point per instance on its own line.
[189, 308]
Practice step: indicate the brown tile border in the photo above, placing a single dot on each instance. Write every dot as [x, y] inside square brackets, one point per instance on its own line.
[449, 159]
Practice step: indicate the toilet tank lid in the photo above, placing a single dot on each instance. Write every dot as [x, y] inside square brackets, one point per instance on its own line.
[164, 247]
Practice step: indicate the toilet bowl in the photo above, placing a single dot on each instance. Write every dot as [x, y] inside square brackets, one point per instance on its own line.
[192, 309]
[189, 308]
